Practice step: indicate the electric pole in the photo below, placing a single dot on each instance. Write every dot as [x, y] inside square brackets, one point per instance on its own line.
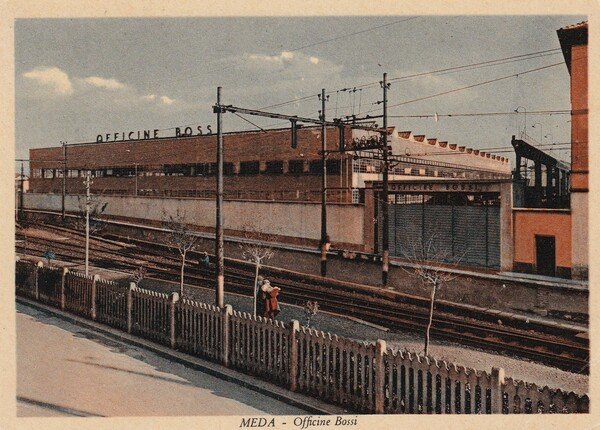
[136, 179]
[64, 180]
[324, 241]
[219, 203]
[294, 120]
[87, 183]
[21, 190]
[385, 257]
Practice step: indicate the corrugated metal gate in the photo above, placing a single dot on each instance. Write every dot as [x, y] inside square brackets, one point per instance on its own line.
[469, 235]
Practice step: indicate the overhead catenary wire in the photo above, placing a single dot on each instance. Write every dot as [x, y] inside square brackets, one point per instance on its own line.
[487, 63]
[464, 114]
[454, 90]
[499, 61]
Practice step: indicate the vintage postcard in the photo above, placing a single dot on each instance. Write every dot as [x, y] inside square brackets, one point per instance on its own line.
[298, 217]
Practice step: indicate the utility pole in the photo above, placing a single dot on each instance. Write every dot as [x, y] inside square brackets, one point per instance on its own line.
[136, 179]
[219, 227]
[385, 257]
[220, 109]
[87, 183]
[324, 241]
[21, 190]
[64, 180]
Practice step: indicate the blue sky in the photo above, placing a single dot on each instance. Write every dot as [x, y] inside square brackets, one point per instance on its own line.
[76, 78]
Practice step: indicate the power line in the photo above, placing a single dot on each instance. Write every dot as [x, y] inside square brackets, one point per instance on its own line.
[472, 85]
[310, 45]
[483, 63]
[366, 30]
[438, 115]
[471, 66]
[560, 146]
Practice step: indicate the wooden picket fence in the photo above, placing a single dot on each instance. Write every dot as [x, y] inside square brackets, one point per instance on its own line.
[364, 377]
[111, 304]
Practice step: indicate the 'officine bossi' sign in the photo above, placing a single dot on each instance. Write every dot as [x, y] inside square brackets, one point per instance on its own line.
[441, 185]
[120, 136]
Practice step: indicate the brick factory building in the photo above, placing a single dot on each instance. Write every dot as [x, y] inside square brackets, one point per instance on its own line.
[259, 165]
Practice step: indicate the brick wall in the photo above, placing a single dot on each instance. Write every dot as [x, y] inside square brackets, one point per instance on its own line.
[153, 154]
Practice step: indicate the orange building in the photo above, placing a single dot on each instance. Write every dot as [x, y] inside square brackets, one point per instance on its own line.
[574, 43]
[552, 241]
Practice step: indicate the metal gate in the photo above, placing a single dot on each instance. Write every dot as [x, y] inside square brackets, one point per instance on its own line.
[465, 235]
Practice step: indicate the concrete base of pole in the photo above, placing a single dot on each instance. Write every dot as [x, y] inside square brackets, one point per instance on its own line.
[220, 291]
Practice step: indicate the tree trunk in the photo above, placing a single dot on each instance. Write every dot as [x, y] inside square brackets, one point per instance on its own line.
[182, 269]
[255, 285]
[433, 291]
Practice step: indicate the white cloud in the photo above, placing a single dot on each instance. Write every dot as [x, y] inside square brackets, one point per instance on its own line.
[166, 100]
[314, 60]
[51, 77]
[150, 97]
[283, 58]
[109, 84]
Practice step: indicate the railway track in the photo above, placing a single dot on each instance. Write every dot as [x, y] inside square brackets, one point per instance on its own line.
[553, 345]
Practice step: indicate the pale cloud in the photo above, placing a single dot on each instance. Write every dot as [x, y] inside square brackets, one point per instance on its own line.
[284, 57]
[51, 77]
[314, 60]
[109, 84]
[150, 97]
[166, 100]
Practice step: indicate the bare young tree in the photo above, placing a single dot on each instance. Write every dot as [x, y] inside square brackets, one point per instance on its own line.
[256, 249]
[310, 310]
[180, 238]
[138, 275]
[425, 258]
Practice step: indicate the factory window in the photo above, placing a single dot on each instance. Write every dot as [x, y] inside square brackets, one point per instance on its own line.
[48, 173]
[274, 167]
[202, 169]
[228, 169]
[123, 171]
[296, 166]
[36, 173]
[71, 173]
[333, 167]
[315, 167]
[169, 170]
[249, 168]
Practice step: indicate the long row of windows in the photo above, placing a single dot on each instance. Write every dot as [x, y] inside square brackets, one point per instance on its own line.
[275, 167]
[406, 169]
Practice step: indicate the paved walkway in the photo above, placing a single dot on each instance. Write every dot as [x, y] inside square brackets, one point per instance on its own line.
[66, 370]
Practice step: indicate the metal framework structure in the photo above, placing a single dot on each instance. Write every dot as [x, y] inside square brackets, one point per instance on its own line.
[556, 190]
